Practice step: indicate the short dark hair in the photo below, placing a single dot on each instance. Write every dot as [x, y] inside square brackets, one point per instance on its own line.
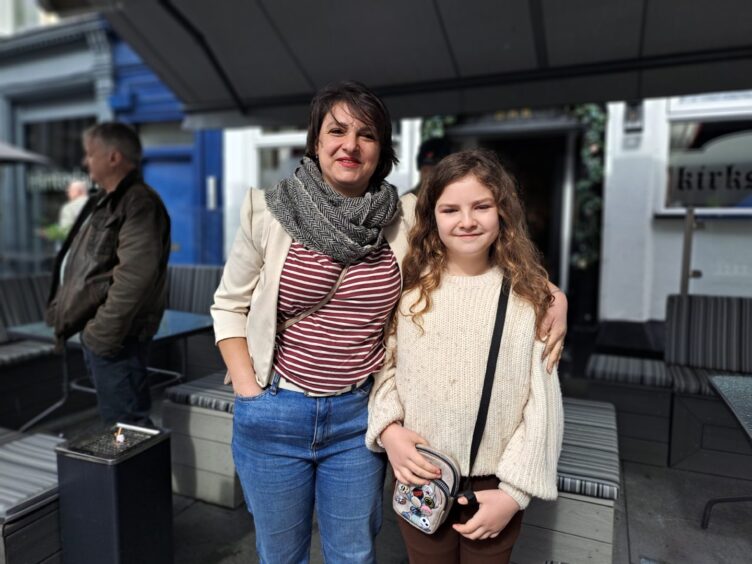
[365, 106]
[118, 136]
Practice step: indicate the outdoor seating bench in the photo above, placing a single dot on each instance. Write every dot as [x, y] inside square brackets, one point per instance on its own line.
[29, 527]
[668, 412]
[14, 353]
[30, 370]
[191, 289]
[579, 525]
[22, 300]
[199, 414]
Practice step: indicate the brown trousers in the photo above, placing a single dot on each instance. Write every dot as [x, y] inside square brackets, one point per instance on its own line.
[446, 546]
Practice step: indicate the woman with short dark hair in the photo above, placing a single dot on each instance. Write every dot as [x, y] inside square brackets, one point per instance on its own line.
[299, 315]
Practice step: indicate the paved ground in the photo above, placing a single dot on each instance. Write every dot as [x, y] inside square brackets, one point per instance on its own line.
[664, 507]
[208, 534]
[657, 519]
[659, 523]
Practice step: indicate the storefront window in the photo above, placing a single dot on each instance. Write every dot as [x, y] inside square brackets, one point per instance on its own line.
[278, 163]
[710, 164]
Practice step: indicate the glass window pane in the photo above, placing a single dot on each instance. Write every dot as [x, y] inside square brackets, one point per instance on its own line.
[710, 164]
[277, 163]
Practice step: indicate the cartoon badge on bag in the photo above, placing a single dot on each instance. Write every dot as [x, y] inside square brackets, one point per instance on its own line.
[419, 520]
[421, 503]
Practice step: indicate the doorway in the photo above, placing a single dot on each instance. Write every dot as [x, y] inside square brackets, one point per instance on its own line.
[538, 164]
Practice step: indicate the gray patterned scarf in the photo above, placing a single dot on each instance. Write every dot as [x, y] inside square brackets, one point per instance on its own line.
[314, 214]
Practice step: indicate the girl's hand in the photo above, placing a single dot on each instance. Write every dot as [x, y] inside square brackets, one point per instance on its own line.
[496, 509]
[554, 328]
[410, 467]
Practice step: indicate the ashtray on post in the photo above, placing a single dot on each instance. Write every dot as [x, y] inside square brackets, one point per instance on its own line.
[116, 497]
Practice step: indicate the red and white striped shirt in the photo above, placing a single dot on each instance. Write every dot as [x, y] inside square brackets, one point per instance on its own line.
[342, 342]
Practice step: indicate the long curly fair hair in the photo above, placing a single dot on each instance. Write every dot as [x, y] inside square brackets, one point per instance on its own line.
[513, 251]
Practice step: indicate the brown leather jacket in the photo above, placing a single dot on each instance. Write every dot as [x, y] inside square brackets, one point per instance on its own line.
[115, 280]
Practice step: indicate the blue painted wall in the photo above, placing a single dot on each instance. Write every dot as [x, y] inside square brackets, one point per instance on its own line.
[178, 172]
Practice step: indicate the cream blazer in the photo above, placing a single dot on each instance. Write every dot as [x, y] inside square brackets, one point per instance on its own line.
[245, 303]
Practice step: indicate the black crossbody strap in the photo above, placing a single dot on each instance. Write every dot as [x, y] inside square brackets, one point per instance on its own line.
[493, 355]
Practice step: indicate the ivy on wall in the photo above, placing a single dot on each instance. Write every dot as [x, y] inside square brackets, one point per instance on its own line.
[436, 126]
[589, 187]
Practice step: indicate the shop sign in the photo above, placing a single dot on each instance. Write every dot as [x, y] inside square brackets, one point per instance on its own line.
[716, 173]
[728, 185]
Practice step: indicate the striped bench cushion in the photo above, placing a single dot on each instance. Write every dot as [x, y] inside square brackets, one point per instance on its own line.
[28, 474]
[589, 461]
[655, 373]
[209, 392]
[628, 370]
[688, 380]
[677, 330]
[746, 315]
[715, 332]
[22, 351]
[8, 435]
[709, 332]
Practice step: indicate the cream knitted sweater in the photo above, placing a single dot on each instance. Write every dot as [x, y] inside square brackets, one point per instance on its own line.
[432, 383]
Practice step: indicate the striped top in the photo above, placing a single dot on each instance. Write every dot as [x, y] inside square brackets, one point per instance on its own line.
[342, 342]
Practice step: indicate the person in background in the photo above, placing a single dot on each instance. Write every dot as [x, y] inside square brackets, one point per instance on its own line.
[110, 277]
[77, 193]
[430, 153]
[469, 236]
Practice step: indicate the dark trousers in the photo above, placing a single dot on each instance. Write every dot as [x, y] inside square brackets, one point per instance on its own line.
[446, 546]
[121, 383]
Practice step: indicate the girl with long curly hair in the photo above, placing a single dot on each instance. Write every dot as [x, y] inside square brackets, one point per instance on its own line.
[469, 236]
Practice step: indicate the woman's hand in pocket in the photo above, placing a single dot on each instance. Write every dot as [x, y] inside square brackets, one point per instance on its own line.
[234, 351]
[246, 387]
[410, 467]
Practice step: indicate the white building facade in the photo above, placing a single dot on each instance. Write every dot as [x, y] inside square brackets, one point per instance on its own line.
[642, 245]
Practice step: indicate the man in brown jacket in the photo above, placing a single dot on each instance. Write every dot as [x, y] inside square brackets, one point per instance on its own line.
[109, 279]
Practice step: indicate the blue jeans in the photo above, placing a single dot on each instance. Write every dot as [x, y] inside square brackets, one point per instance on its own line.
[293, 452]
[121, 382]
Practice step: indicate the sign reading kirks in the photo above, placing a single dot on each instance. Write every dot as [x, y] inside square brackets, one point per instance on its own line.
[717, 174]
[720, 186]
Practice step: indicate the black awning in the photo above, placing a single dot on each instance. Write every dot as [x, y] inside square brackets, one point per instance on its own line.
[260, 61]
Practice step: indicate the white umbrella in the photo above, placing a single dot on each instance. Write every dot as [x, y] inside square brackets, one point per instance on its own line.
[10, 154]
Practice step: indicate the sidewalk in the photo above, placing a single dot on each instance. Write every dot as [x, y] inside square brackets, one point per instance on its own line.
[207, 534]
[657, 518]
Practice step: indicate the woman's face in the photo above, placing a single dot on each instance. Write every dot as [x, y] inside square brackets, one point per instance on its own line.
[468, 222]
[348, 151]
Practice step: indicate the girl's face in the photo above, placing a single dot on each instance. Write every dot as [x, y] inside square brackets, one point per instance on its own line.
[468, 224]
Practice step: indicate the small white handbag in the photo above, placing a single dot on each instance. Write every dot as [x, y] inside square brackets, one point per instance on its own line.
[426, 506]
